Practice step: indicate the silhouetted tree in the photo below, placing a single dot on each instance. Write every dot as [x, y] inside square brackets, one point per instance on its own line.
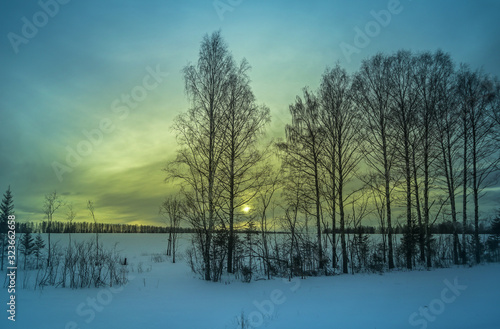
[241, 175]
[37, 250]
[405, 101]
[201, 136]
[50, 206]
[447, 118]
[476, 99]
[70, 216]
[359, 244]
[342, 121]
[173, 209]
[292, 194]
[372, 96]
[91, 208]
[27, 246]
[273, 180]
[304, 148]
[433, 74]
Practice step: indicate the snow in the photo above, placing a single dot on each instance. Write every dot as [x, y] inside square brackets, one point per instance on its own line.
[167, 295]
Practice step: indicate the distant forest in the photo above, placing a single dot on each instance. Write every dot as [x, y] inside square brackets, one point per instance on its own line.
[89, 227]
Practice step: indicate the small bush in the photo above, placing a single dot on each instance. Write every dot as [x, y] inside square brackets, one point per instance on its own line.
[246, 274]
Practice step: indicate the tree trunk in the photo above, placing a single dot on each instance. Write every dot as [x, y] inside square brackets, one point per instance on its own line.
[173, 250]
[450, 182]
[334, 210]
[388, 200]
[342, 226]
[475, 190]
[230, 243]
[409, 241]
[426, 232]
[318, 214]
[464, 194]
[211, 210]
[421, 242]
[49, 219]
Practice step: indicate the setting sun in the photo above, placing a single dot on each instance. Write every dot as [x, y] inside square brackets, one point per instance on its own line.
[246, 209]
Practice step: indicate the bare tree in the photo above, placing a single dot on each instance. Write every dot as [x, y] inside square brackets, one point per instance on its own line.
[447, 118]
[341, 120]
[200, 133]
[70, 216]
[359, 243]
[432, 76]
[91, 208]
[241, 174]
[464, 114]
[50, 206]
[404, 102]
[293, 198]
[272, 182]
[476, 99]
[371, 95]
[329, 164]
[68, 260]
[304, 148]
[375, 183]
[174, 210]
[416, 164]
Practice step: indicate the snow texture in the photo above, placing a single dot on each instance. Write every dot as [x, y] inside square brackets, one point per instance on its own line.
[166, 295]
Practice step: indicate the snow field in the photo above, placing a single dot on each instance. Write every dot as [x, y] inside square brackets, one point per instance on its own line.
[166, 295]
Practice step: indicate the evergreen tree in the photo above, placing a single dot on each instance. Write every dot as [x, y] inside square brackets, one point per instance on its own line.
[37, 250]
[360, 244]
[6, 210]
[27, 246]
[410, 239]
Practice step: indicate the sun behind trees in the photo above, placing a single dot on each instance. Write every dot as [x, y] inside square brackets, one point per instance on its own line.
[403, 138]
[218, 160]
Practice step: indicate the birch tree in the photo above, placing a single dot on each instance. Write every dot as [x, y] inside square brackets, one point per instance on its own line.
[200, 134]
[241, 175]
[476, 99]
[449, 138]
[432, 77]
[404, 104]
[174, 210]
[51, 205]
[372, 96]
[342, 124]
[304, 148]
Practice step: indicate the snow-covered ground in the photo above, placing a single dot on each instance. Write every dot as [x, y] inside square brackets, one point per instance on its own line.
[166, 295]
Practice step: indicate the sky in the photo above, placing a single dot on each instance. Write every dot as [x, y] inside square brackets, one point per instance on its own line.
[89, 89]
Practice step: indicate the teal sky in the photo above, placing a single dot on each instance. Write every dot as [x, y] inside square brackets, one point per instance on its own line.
[69, 76]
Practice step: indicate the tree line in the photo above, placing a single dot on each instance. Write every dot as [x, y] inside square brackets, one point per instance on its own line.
[407, 138]
[89, 227]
